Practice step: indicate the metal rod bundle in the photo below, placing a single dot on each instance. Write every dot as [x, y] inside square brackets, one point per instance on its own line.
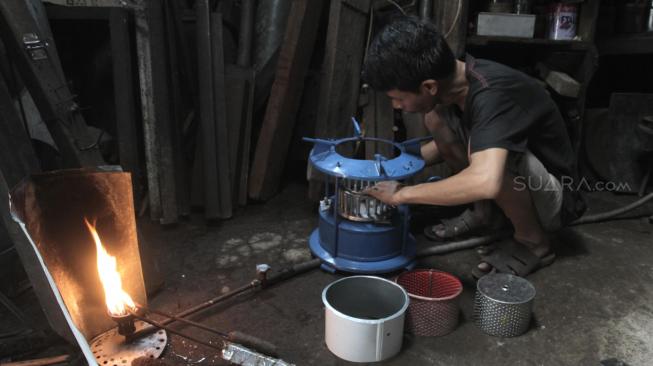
[237, 347]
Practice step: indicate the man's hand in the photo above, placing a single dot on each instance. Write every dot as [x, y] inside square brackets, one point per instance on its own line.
[385, 191]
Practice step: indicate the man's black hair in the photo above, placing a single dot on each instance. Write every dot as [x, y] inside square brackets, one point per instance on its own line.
[406, 52]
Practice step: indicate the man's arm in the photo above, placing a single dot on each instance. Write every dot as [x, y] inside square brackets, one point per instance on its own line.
[430, 153]
[446, 146]
[481, 180]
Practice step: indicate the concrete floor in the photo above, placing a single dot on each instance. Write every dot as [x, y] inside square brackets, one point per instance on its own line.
[594, 303]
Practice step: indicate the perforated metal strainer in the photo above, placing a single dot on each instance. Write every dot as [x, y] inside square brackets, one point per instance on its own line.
[503, 304]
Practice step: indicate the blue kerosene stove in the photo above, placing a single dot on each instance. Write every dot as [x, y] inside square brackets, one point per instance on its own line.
[358, 233]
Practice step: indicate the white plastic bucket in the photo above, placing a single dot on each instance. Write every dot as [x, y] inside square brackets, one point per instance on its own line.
[364, 318]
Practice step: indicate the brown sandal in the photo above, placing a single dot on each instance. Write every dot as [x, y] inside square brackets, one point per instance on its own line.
[464, 225]
[512, 257]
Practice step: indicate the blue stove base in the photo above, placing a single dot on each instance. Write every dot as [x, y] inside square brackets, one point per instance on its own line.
[332, 264]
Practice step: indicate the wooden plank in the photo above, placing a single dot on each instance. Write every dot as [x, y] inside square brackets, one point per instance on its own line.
[220, 114]
[123, 85]
[271, 21]
[178, 110]
[378, 121]
[246, 33]
[38, 11]
[277, 128]
[40, 71]
[345, 46]
[240, 109]
[148, 114]
[450, 17]
[14, 141]
[164, 114]
[239, 80]
[244, 154]
[187, 71]
[207, 133]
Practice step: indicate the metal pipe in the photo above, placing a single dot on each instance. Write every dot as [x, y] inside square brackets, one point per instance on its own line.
[463, 244]
[234, 336]
[168, 329]
[198, 308]
[644, 185]
[214, 301]
[279, 276]
[182, 320]
[610, 214]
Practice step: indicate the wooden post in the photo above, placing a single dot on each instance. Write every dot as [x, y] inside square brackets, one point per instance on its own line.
[19, 158]
[239, 80]
[163, 127]
[123, 85]
[177, 107]
[207, 133]
[276, 131]
[147, 110]
[343, 59]
[378, 121]
[38, 63]
[225, 174]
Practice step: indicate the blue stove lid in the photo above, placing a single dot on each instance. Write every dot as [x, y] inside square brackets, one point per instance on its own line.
[327, 160]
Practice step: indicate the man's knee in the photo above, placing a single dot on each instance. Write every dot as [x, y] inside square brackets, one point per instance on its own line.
[526, 173]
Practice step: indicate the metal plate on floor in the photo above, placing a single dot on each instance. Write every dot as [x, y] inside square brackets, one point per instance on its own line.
[111, 349]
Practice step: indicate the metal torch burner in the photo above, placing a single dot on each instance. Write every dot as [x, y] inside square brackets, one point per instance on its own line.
[358, 233]
[112, 349]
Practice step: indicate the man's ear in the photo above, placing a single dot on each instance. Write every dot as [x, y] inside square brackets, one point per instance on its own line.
[430, 86]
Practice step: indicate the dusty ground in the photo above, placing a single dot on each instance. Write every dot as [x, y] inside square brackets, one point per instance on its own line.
[592, 304]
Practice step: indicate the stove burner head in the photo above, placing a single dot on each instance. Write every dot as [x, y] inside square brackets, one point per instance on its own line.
[125, 323]
[111, 348]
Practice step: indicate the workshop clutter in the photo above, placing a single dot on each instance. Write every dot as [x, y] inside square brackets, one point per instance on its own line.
[366, 316]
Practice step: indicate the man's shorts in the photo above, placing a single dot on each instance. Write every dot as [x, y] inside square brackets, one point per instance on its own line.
[528, 172]
[546, 191]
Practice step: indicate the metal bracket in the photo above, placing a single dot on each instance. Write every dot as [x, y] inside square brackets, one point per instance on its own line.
[36, 47]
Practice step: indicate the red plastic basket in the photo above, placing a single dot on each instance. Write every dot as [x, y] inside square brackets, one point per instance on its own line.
[433, 309]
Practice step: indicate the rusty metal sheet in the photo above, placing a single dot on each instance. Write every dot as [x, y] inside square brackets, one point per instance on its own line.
[51, 207]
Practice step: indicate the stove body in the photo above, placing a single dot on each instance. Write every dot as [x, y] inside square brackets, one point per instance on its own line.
[358, 233]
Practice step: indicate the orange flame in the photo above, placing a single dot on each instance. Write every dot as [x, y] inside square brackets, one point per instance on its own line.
[118, 301]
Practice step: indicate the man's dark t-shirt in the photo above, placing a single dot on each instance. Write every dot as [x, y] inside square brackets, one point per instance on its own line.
[508, 109]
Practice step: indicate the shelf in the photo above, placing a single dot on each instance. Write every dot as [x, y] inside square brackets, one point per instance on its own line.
[627, 44]
[497, 40]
